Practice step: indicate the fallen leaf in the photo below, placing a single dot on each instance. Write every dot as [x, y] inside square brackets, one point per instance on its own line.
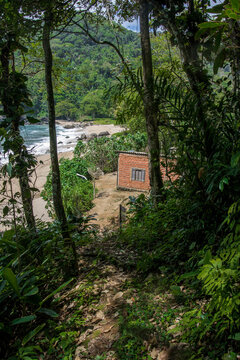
[100, 315]
[163, 355]
[118, 295]
[154, 353]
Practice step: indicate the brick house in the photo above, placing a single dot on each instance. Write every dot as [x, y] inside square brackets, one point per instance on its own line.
[133, 171]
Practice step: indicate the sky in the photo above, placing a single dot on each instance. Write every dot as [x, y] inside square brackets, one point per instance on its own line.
[134, 25]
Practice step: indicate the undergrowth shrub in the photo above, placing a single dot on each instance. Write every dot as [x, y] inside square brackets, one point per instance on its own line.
[102, 152]
[219, 317]
[183, 239]
[77, 193]
[32, 273]
[170, 236]
[145, 321]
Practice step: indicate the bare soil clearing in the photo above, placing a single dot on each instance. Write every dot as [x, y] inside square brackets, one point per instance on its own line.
[107, 201]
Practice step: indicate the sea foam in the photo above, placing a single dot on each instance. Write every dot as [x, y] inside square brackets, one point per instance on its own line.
[36, 139]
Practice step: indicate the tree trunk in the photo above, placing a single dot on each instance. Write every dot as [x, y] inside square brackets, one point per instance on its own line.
[235, 65]
[150, 107]
[197, 77]
[56, 182]
[8, 108]
[26, 194]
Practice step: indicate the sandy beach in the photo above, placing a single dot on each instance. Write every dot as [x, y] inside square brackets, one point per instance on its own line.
[39, 176]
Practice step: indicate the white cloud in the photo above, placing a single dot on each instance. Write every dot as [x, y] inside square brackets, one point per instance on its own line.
[133, 25]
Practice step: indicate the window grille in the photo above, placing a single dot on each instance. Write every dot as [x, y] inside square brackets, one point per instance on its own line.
[138, 174]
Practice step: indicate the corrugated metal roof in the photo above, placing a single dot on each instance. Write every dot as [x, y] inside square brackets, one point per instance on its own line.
[132, 152]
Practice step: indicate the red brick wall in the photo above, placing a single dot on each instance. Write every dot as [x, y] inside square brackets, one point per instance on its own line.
[128, 161]
[125, 164]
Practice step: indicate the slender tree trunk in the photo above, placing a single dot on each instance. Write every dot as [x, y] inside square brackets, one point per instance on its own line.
[150, 107]
[56, 182]
[22, 172]
[235, 65]
[200, 85]
[197, 77]
[25, 188]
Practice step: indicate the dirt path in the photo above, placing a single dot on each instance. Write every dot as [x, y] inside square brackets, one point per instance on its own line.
[115, 314]
[101, 325]
[107, 201]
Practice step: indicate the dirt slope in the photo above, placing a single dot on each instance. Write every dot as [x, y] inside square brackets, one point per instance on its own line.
[107, 201]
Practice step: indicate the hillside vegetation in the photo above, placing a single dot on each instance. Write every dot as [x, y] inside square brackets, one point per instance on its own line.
[84, 71]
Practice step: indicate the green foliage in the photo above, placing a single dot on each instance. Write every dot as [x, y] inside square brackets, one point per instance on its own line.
[219, 276]
[127, 93]
[31, 276]
[77, 193]
[83, 70]
[79, 199]
[62, 343]
[175, 231]
[223, 15]
[102, 152]
[93, 104]
[220, 282]
[173, 246]
[67, 110]
[187, 238]
[143, 321]
[129, 109]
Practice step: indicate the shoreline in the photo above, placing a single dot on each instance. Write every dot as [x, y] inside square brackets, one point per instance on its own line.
[38, 179]
[68, 134]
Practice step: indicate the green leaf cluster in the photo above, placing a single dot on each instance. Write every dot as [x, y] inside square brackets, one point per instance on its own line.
[83, 71]
[77, 193]
[102, 152]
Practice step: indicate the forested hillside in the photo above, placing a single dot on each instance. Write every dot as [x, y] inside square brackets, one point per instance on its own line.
[84, 71]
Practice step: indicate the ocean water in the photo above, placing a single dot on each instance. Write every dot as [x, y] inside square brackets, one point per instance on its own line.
[36, 138]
